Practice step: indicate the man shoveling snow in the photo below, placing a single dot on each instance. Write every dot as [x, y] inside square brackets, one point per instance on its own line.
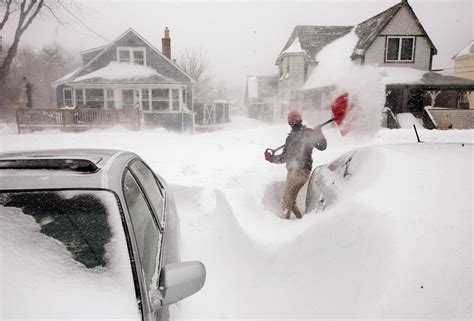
[297, 154]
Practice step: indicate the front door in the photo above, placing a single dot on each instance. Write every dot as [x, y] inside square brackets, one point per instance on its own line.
[127, 99]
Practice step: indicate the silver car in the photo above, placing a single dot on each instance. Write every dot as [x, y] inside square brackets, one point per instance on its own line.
[326, 182]
[89, 234]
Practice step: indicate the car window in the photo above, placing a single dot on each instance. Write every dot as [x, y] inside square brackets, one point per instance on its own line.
[77, 219]
[145, 228]
[152, 190]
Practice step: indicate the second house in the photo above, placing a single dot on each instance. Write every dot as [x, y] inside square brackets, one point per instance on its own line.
[130, 73]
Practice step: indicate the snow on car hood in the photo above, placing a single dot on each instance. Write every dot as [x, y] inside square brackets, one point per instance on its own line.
[41, 280]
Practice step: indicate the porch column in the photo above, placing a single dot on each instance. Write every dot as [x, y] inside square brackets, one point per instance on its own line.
[404, 99]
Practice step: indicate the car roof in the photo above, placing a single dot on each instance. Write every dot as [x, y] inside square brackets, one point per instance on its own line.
[63, 169]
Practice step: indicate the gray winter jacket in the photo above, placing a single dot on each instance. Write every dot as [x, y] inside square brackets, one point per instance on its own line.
[298, 149]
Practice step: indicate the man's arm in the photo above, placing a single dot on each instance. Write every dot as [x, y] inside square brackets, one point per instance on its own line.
[319, 139]
[280, 159]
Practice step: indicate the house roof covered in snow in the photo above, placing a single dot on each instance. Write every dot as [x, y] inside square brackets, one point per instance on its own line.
[100, 51]
[466, 51]
[125, 73]
[434, 80]
[314, 38]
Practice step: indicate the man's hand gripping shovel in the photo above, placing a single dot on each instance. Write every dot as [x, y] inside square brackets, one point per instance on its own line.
[339, 108]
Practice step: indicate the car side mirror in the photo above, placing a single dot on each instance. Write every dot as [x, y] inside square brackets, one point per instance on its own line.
[178, 281]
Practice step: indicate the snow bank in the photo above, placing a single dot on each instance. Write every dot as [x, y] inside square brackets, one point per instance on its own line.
[369, 256]
[117, 70]
[407, 120]
[366, 257]
[53, 276]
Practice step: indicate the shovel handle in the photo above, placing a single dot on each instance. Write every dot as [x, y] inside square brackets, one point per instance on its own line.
[273, 151]
[327, 122]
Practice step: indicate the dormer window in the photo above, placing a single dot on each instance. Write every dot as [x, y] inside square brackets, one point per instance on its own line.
[131, 55]
[400, 49]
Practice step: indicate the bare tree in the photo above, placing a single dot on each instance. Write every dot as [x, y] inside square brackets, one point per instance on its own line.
[27, 11]
[195, 64]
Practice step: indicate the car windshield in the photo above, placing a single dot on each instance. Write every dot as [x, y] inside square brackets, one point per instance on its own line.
[76, 219]
[71, 247]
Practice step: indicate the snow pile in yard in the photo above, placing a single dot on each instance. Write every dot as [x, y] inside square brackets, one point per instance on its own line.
[37, 270]
[118, 70]
[407, 120]
[397, 229]
[363, 83]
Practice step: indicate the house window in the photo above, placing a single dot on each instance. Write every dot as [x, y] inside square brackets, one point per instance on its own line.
[184, 96]
[175, 99]
[145, 99]
[124, 56]
[138, 57]
[400, 49]
[160, 99]
[79, 97]
[67, 94]
[95, 98]
[131, 55]
[110, 98]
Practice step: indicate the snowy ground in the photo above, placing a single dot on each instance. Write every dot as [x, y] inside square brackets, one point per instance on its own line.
[344, 263]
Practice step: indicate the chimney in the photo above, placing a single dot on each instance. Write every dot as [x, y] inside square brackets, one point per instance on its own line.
[166, 44]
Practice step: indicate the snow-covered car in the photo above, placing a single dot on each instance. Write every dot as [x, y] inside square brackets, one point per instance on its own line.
[396, 222]
[327, 181]
[89, 234]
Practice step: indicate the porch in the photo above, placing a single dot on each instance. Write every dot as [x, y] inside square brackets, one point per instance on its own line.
[76, 119]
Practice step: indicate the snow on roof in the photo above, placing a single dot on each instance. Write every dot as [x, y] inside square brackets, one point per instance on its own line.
[400, 75]
[466, 51]
[294, 48]
[65, 78]
[117, 70]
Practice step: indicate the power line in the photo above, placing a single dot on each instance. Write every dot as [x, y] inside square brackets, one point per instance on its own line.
[83, 23]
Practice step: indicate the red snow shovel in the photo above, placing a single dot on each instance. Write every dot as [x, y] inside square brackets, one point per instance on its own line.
[339, 108]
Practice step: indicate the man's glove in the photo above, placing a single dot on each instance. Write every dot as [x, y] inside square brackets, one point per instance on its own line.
[317, 128]
[268, 156]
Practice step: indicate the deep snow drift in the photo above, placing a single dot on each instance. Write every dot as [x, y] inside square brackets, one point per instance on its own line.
[406, 224]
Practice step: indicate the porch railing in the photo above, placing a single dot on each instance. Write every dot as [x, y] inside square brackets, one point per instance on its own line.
[76, 118]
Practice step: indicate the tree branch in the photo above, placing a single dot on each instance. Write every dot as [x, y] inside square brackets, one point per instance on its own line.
[54, 15]
[33, 15]
[7, 14]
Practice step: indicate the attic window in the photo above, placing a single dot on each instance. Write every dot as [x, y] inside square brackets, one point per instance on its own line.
[400, 49]
[131, 55]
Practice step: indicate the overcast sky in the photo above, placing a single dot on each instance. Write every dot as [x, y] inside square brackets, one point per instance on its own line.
[241, 38]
